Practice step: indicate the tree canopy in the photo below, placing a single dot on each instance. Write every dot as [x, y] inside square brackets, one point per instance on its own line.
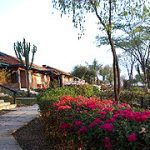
[109, 13]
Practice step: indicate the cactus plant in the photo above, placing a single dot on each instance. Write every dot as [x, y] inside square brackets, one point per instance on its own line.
[22, 51]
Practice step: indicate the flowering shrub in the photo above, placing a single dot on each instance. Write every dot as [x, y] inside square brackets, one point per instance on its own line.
[91, 123]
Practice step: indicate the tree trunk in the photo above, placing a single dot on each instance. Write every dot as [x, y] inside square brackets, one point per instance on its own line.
[118, 74]
[28, 83]
[148, 78]
[116, 70]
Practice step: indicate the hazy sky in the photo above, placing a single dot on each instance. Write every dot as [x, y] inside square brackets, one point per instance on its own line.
[55, 37]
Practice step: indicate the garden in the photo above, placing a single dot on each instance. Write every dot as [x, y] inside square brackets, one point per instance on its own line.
[82, 117]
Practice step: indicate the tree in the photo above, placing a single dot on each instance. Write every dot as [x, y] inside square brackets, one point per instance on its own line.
[89, 72]
[128, 61]
[108, 13]
[22, 51]
[94, 68]
[80, 71]
[83, 72]
[135, 38]
[137, 46]
[138, 78]
[107, 74]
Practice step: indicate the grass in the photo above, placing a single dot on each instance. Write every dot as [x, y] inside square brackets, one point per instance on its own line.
[23, 101]
[26, 101]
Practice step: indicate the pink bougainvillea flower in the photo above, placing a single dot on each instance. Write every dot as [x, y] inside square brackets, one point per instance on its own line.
[141, 117]
[82, 130]
[78, 123]
[107, 127]
[107, 143]
[132, 137]
[110, 120]
[102, 114]
[64, 107]
[65, 126]
[92, 125]
[97, 120]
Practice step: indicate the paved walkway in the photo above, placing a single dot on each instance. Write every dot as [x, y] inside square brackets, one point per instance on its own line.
[12, 121]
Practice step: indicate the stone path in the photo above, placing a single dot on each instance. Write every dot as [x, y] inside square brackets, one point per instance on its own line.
[12, 121]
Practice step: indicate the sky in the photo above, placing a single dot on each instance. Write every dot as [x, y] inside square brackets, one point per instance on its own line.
[55, 37]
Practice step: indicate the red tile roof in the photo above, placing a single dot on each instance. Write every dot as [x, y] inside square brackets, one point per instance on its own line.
[7, 59]
[56, 71]
[10, 60]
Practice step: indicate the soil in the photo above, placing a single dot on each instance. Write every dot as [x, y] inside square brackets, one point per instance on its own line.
[32, 137]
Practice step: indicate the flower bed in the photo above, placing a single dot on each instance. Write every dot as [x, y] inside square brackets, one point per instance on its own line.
[90, 123]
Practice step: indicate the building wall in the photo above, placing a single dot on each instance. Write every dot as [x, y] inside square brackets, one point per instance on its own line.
[68, 78]
[40, 81]
[17, 80]
[11, 79]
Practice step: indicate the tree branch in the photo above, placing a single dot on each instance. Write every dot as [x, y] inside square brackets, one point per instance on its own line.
[97, 15]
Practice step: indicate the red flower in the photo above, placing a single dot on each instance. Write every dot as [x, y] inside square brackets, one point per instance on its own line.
[107, 127]
[110, 120]
[97, 120]
[78, 123]
[132, 137]
[107, 143]
[82, 130]
[92, 125]
[64, 126]
[102, 114]
[64, 107]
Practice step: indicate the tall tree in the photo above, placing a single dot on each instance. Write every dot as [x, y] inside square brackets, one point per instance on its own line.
[22, 51]
[84, 73]
[107, 74]
[94, 68]
[108, 13]
[128, 61]
[135, 40]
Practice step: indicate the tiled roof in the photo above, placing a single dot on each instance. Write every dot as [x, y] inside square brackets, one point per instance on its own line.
[13, 61]
[7, 59]
[56, 71]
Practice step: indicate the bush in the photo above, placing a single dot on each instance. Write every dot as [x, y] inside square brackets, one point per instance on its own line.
[131, 97]
[51, 95]
[90, 123]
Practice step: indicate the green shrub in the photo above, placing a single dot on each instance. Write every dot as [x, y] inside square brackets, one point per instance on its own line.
[51, 95]
[133, 97]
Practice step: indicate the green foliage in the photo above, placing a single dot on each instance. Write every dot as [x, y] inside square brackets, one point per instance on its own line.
[89, 72]
[51, 95]
[133, 97]
[107, 73]
[22, 51]
[81, 72]
[134, 38]
[109, 14]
